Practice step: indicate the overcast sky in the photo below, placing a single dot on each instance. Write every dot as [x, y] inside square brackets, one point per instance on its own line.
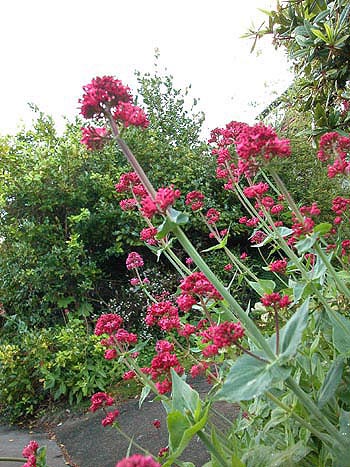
[51, 48]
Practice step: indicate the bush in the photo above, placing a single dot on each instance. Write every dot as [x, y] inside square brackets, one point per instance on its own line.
[56, 364]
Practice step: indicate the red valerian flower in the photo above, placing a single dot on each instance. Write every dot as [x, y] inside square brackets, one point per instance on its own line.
[335, 148]
[212, 216]
[130, 114]
[127, 181]
[194, 199]
[110, 417]
[103, 92]
[221, 335]
[134, 260]
[108, 323]
[31, 461]
[166, 197]
[129, 375]
[256, 191]
[279, 266]
[275, 300]
[138, 460]
[165, 314]
[147, 235]
[99, 400]
[30, 449]
[94, 138]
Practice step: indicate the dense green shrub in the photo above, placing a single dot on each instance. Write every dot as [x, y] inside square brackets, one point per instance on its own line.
[61, 363]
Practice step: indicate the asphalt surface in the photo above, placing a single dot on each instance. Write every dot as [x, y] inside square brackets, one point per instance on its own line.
[82, 441]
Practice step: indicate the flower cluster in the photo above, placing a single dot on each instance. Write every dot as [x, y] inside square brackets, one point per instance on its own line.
[110, 324]
[334, 147]
[94, 138]
[161, 365]
[195, 199]
[29, 452]
[221, 336]
[193, 287]
[107, 97]
[101, 400]
[134, 261]
[138, 460]
[251, 146]
[275, 301]
[165, 314]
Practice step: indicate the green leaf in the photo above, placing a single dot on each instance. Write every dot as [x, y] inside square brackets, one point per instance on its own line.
[342, 455]
[323, 228]
[177, 217]
[249, 378]
[181, 431]
[291, 333]
[144, 393]
[65, 301]
[263, 286]
[183, 396]
[218, 246]
[304, 245]
[341, 332]
[164, 228]
[331, 382]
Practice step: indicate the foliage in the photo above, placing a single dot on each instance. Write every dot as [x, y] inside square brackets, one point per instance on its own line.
[56, 364]
[316, 36]
[287, 372]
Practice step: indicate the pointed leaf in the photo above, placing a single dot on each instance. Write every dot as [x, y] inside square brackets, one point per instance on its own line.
[331, 382]
[341, 332]
[263, 286]
[183, 396]
[249, 378]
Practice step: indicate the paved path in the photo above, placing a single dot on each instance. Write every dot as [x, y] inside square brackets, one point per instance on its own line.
[86, 443]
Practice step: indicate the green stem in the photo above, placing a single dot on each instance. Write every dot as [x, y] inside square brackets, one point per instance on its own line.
[340, 284]
[12, 459]
[211, 448]
[239, 313]
[314, 410]
[322, 436]
[131, 441]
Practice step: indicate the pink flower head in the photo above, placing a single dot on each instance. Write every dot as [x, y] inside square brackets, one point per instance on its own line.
[165, 314]
[228, 267]
[212, 216]
[166, 197]
[130, 114]
[335, 148]
[129, 375]
[279, 266]
[275, 300]
[156, 423]
[127, 181]
[134, 260]
[189, 261]
[194, 199]
[102, 93]
[147, 235]
[223, 335]
[148, 207]
[30, 449]
[244, 256]
[199, 369]
[187, 330]
[99, 400]
[197, 284]
[340, 205]
[128, 204]
[110, 354]
[108, 323]
[94, 138]
[110, 417]
[138, 460]
[256, 191]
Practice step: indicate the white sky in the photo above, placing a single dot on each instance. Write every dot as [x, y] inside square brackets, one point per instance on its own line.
[51, 48]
